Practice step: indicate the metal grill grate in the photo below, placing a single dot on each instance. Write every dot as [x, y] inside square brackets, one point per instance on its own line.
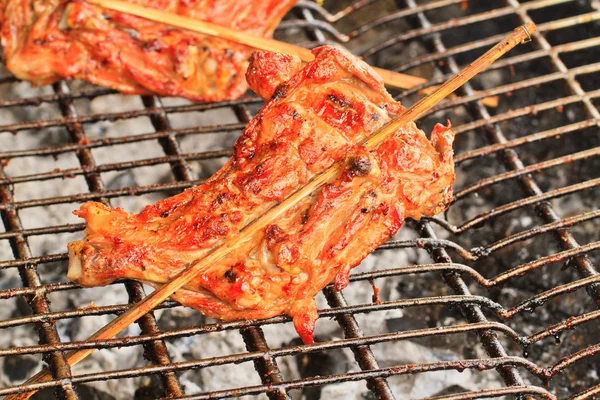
[483, 290]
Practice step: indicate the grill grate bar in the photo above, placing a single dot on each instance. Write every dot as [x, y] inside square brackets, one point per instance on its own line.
[120, 140]
[431, 29]
[509, 62]
[278, 352]
[407, 12]
[538, 230]
[512, 87]
[40, 305]
[527, 305]
[539, 299]
[488, 283]
[155, 351]
[76, 313]
[166, 133]
[402, 14]
[535, 199]
[548, 214]
[105, 194]
[73, 172]
[266, 366]
[362, 354]
[253, 336]
[587, 394]
[329, 312]
[34, 261]
[573, 358]
[146, 112]
[502, 63]
[36, 101]
[295, 350]
[485, 16]
[569, 324]
[582, 155]
[42, 231]
[517, 391]
[524, 111]
[179, 166]
[416, 243]
[511, 161]
[472, 254]
[474, 364]
[472, 313]
[509, 144]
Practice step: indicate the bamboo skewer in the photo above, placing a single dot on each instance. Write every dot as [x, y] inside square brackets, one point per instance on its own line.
[391, 78]
[151, 301]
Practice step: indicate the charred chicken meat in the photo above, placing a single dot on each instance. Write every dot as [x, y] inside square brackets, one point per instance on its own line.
[47, 40]
[314, 116]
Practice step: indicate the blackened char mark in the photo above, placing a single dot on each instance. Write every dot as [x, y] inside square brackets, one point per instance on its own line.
[360, 166]
[305, 216]
[280, 92]
[221, 198]
[152, 45]
[274, 234]
[338, 100]
[230, 275]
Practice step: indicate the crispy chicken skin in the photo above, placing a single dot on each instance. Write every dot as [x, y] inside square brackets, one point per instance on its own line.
[315, 117]
[46, 40]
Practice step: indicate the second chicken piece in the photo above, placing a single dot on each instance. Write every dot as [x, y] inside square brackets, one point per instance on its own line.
[47, 40]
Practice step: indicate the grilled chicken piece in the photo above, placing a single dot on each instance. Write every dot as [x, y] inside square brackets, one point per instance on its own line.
[315, 117]
[46, 40]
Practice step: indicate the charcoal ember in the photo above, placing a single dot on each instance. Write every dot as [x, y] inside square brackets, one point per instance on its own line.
[18, 368]
[88, 392]
[84, 391]
[149, 388]
[22, 308]
[405, 323]
[179, 318]
[454, 389]
[321, 363]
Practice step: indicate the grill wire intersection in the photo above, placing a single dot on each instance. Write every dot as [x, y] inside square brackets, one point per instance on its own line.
[503, 288]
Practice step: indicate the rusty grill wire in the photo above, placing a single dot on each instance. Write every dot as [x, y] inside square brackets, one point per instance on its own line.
[481, 250]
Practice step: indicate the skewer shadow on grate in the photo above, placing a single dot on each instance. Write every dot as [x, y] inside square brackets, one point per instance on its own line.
[526, 190]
